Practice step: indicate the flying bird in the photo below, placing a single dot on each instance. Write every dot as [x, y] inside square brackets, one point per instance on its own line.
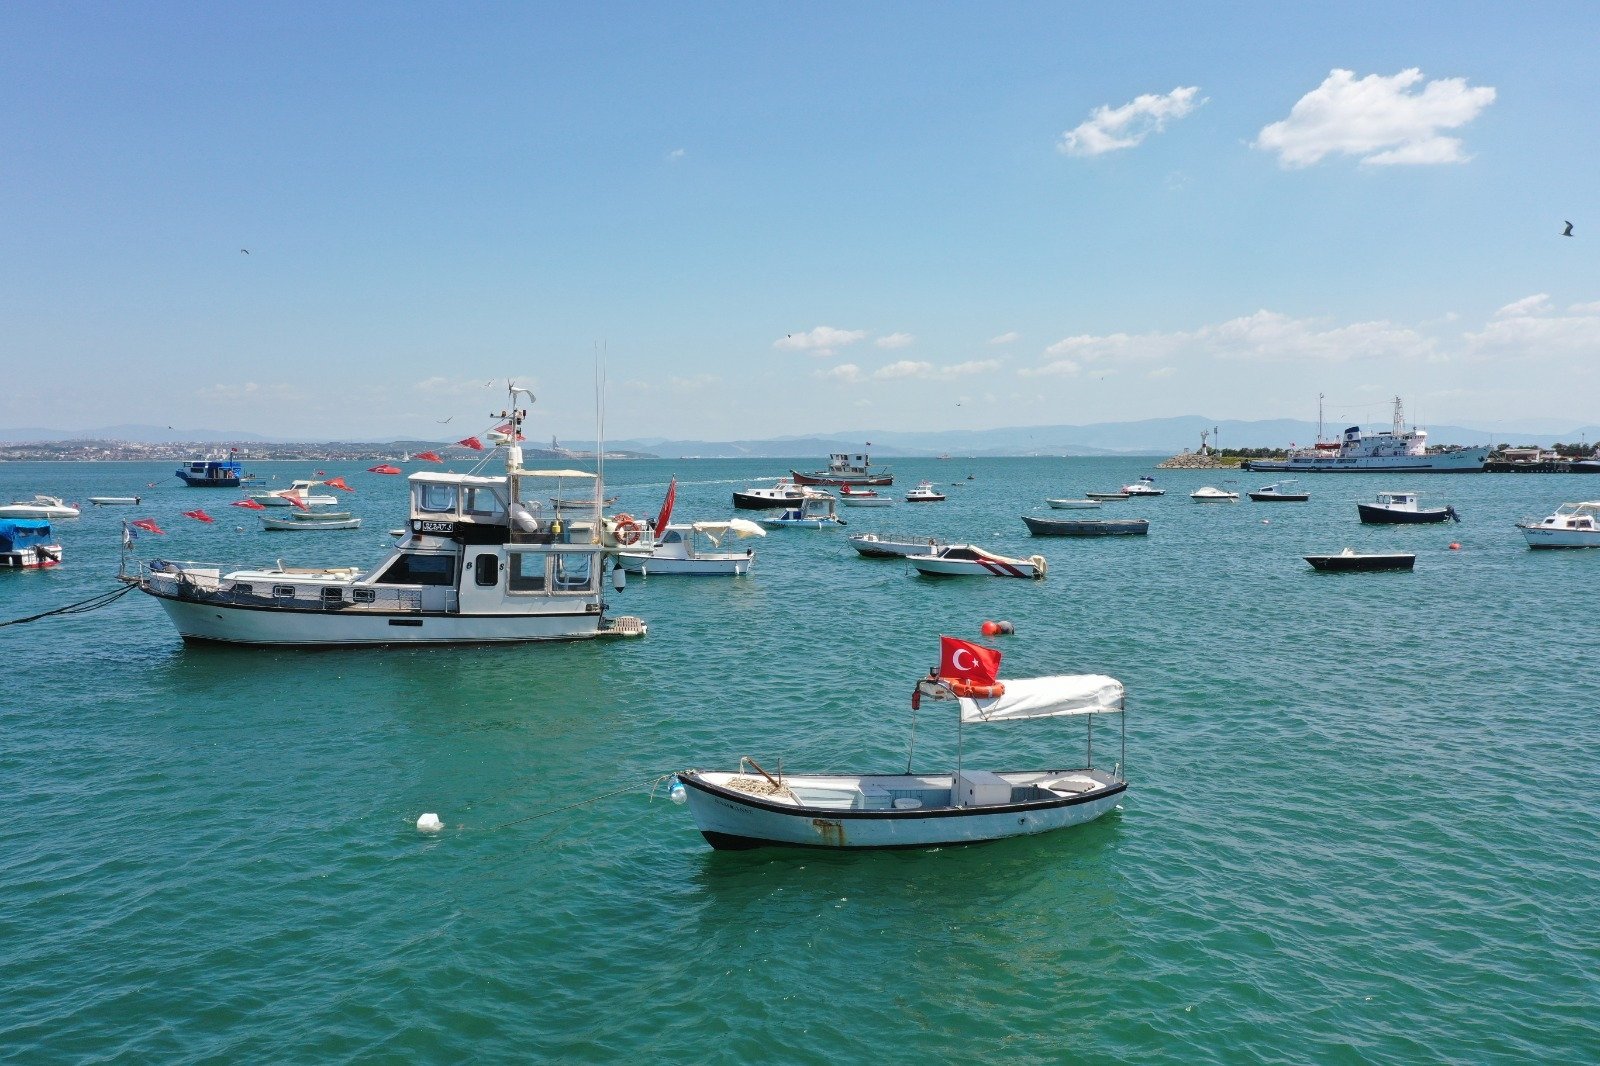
[442, 421]
[1568, 231]
[246, 251]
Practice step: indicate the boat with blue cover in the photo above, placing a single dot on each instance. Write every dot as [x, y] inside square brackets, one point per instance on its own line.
[27, 544]
[221, 471]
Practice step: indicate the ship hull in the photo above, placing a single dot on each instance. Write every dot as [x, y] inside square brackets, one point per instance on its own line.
[1466, 461]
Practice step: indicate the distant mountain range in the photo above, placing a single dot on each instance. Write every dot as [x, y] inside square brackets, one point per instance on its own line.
[1151, 436]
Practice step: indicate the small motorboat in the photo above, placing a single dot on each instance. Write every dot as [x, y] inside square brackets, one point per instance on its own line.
[1212, 494]
[1574, 525]
[816, 511]
[783, 494]
[1403, 509]
[114, 501]
[692, 548]
[40, 506]
[27, 544]
[845, 468]
[1087, 527]
[304, 520]
[304, 491]
[879, 546]
[924, 493]
[743, 809]
[1278, 492]
[1352, 561]
[863, 498]
[1118, 495]
[1145, 486]
[969, 560]
[1073, 505]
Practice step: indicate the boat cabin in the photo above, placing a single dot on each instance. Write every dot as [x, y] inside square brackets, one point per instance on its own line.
[848, 463]
[1574, 516]
[1402, 501]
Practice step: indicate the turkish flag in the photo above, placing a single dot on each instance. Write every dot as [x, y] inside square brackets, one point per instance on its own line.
[338, 483]
[471, 442]
[251, 504]
[148, 525]
[428, 457]
[962, 660]
[199, 515]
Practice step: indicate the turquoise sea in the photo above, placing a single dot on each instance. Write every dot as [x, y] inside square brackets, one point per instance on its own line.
[1361, 823]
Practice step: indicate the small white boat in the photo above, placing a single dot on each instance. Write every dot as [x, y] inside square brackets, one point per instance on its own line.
[40, 506]
[27, 544]
[742, 810]
[1279, 492]
[114, 501]
[863, 498]
[303, 520]
[969, 560]
[303, 490]
[783, 494]
[1145, 486]
[1098, 496]
[880, 546]
[682, 549]
[1211, 494]
[1574, 525]
[1073, 505]
[924, 493]
[814, 512]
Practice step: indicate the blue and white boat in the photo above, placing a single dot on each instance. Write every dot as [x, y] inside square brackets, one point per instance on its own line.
[27, 544]
[812, 512]
[212, 472]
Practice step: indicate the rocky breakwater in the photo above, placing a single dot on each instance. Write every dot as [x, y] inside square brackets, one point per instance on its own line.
[1190, 461]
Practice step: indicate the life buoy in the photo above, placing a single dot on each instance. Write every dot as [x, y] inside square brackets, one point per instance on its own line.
[973, 691]
[627, 530]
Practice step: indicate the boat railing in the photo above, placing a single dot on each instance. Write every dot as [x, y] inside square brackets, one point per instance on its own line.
[200, 583]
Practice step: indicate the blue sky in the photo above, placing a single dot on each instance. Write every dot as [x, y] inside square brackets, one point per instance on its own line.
[794, 218]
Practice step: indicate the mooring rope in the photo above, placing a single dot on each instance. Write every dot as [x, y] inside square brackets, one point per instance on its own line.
[93, 603]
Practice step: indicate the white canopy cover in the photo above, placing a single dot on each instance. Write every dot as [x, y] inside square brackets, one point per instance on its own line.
[1047, 697]
[740, 527]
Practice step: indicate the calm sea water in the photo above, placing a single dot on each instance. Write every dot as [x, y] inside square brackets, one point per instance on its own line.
[1360, 826]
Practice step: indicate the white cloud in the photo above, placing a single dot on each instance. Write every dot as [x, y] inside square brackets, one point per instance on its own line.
[698, 381]
[442, 386]
[675, 155]
[1162, 372]
[1378, 119]
[1550, 338]
[896, 340]
[843, 372]
[1006, 338]
[1055, 368]
[905, 368]
[1585, 309]
[820, 341]
[1528, 305]
[1111, 128]
[910, 369]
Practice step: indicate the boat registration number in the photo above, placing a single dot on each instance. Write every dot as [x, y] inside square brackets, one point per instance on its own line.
[425, 526]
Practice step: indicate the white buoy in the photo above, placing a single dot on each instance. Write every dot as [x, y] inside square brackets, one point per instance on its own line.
[676, 792]
[429, 823]
[619, 579]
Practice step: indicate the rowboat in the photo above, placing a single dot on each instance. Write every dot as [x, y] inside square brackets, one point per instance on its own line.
[1086, 527]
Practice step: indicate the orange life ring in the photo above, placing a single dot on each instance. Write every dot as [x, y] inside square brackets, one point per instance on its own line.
[974, 691]
[627, 529]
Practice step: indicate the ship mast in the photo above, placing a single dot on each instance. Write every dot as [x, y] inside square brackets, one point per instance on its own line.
[1399, 417]
[1319, 418]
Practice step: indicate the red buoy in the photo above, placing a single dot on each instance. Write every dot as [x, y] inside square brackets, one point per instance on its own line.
[1455, 545]
[993, 628]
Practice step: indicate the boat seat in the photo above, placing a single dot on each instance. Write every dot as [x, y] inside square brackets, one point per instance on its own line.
[1070, 786]
[907, 803]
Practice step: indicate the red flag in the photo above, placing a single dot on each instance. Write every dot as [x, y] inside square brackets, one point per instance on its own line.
[252, 504]
[148, 525]
[965, 661]
[322, 473]
[383, 468]
[199, 515]
[338, 483]
[428, 457]
[471, 442]
[295, 499]
[505, 429]
[666, 506]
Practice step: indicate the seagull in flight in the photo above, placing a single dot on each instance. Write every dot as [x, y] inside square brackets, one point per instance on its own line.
[442, 421]
[1568, 231]
[245, 251]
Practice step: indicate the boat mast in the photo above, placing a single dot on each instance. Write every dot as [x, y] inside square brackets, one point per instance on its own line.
[1319, 418]
[1399, 416]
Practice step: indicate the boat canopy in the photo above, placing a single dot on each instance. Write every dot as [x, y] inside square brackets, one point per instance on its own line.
[1047, 697]
[740, 527]
[525, 472]
[17, 533]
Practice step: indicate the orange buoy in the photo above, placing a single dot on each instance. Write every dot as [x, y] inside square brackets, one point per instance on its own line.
[1455, 545]
[993, 628]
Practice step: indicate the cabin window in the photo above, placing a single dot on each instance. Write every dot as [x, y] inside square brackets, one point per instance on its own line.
[487, 568]
[412, 569]
[483, 503]
[527, 572]
[332, 597]
[242, 589]
[436, 498]
[283, 592]
[671, 537]
[364, 595]
[574, 572]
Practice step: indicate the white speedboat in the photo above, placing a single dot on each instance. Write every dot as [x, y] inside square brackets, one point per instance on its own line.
[304, 491]
[692, 548]
[924, 493]
[300, 521]
[816, 511]
[1574, 525]
[783, 494]
[752, 808]
[1211, 494]
[1145, 486]
[1067, 504]
[27, 544]
[114, 501]
[863, 498]
[1279, 492]
[969, 560]
[40, 506]
[481, 561]
[888, 546]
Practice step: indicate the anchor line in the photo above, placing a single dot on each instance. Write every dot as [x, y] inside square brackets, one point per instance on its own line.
[93, 603]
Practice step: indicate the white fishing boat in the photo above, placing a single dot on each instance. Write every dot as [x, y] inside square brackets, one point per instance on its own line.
[1403, 509]
[114, 501]
[1145, 486]
[785, 493]
[813, 512]
[924, 493]
[481, 561]
[27, 544]
[863, 497]
[40, 506]
[1393, 450]
[889, 546]
[300, 521]
[1280, 492]
[969, 560]
[303, 491]
[1574, 525]
[1067, 504]
[694, 548]
[1212, 494]
[741, 809]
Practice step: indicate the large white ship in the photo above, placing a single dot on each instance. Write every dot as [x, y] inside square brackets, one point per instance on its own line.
[1393, 450]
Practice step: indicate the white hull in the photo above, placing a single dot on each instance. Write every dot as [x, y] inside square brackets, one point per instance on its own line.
[857, 811]
[1465, 461]
[936, 566]
[866, 501]
[1073, 505]
[32, 510]
[1539, 537]
[114, 501]
[728, 566]
[298, 524]
[283, 501]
